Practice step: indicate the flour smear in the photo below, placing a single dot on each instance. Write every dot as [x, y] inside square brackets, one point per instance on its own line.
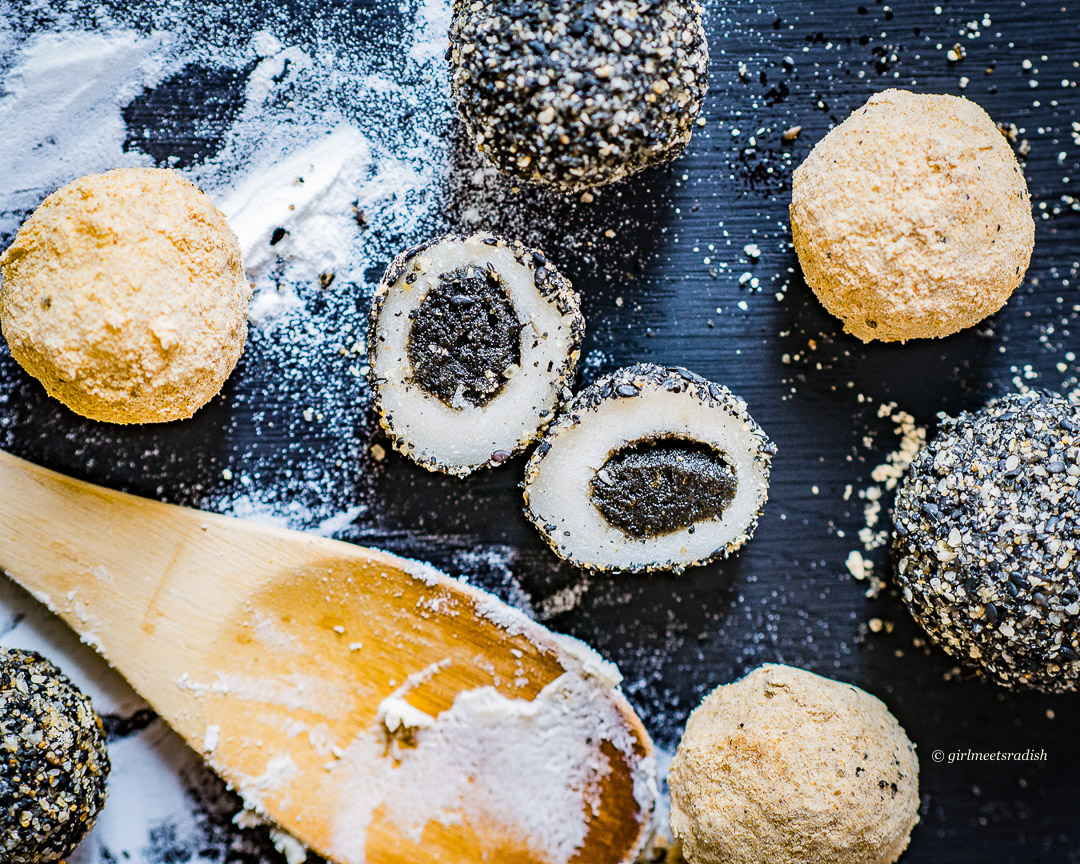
[531, 769]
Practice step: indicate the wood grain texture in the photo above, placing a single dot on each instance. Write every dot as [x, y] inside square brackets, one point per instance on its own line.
[256, 644]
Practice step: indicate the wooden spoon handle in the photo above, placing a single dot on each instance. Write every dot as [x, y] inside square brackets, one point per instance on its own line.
[96, 555]
[242, 635]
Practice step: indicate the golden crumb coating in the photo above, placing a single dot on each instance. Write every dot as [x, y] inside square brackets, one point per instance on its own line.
[787, 767]
[125, 295]
[912, 218]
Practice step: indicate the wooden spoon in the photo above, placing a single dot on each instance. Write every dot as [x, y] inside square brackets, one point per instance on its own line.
[372, 707]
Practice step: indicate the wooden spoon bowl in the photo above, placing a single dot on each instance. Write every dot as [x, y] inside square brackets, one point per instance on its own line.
[372, 707]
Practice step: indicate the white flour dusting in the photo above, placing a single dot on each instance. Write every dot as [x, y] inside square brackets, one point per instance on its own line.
[332, 159]
[531, 769]
[496, 756]
[292, 213]
[293, 850]
[307, 174]
[60, 111]
[528, 766]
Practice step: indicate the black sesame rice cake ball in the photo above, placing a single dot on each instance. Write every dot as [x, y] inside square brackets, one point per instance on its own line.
[987, 540]
[650, 468]
[53, 761]
[473, 343]
[574, 94]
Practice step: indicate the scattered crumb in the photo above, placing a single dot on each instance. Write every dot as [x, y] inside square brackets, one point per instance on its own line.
[886, 476]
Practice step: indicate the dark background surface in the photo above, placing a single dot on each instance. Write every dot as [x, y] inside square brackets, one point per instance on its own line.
[648, 294]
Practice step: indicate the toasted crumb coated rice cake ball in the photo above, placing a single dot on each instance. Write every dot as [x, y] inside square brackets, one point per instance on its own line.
[125, 295]
[787, 767]
[912, 218]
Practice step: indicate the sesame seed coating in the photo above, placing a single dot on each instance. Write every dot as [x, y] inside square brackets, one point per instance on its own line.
[578, 93]
[53, 761]
[647, 408]
[987, 540]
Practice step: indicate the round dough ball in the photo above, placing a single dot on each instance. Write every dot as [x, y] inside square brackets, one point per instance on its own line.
[54, 765]
[574, 94]
[787, 767]
[912, 218]
[125, 295]
[987, 540]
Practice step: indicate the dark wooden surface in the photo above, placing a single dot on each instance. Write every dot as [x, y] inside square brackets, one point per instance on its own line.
[649, 295]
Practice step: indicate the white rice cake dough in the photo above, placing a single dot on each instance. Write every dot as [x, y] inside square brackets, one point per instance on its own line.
[460, 437]
[644, 403]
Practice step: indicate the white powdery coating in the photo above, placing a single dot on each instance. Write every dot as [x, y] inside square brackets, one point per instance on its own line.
[294, 851]
[429, 35]
[289, 514]
[530, 769]
[498, 561]
[280, 771]
[62, 114]
[524, 765]
[296, 692]
[211, 739]
[60, 111]
[304, 192]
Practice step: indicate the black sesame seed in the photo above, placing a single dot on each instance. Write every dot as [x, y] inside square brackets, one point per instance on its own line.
[621, 86]
[55, 766]
[1018, 517]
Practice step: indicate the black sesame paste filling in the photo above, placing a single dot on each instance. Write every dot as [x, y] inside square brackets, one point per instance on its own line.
[465, 340]
[658, 486]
